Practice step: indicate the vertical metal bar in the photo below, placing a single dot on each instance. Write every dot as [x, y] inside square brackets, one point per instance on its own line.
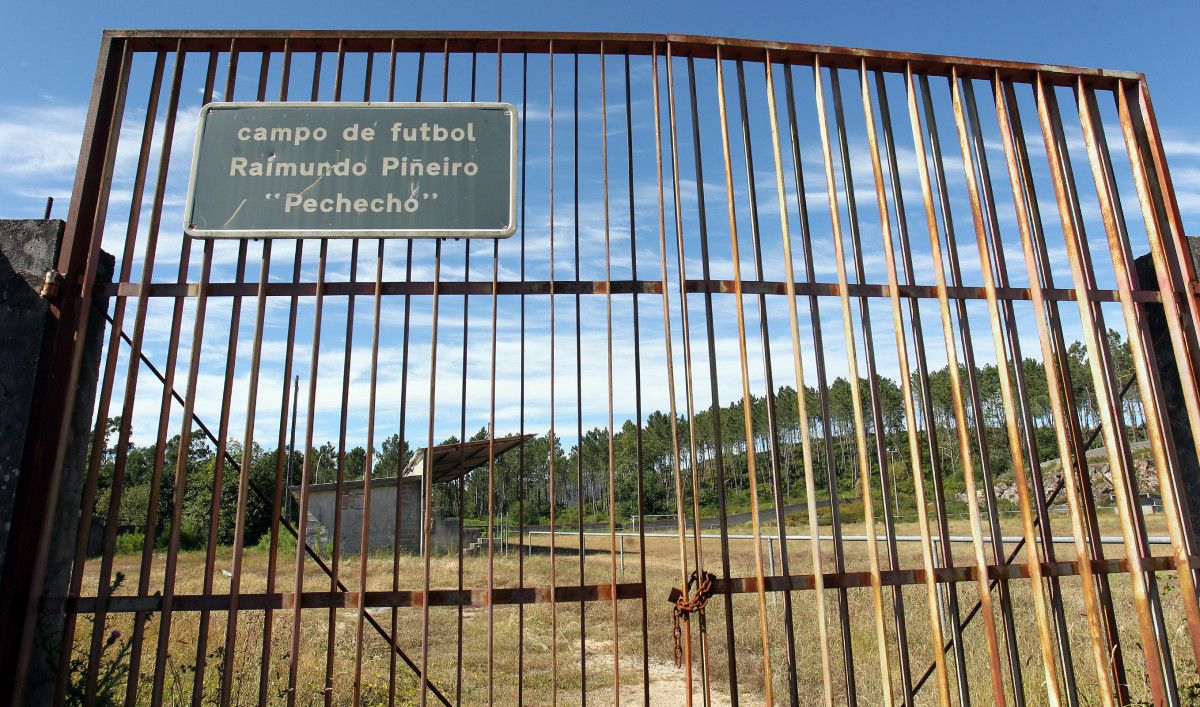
[1148, 384]
[305, 475]
[869, 348]
[521, 449]
[1054, 386]
[1087, 500]
[637, 365]
[839, 558]
[959, 409]
[218, 480]
[401, 464]
[181, 462]
[135, 649]
[935, 619]
[680, 514]
[427, 479]
[769, 380]
[1140, 589]
[864, 465]
[578, 387]
[335, 560]
[926, 402]
[1042, 522]
[1173, 275]
[239, 532]
[965, 337]
[462, 434]
[718, 446]
[287, 507]
[368, 462]
[364, 540]
[810, 486]
[685, 323]
[281, 500]
[99, 438]
[222, 437]
[961, 423]
[612, 473]
[368, 70]
[947, 596]
[400, 438]
[751, 466]
[181, 473]
[103, 589]
[881, 451]
[1100, 360]
[886, 473]
[1012, 427]
[491, 547]
[553, 437]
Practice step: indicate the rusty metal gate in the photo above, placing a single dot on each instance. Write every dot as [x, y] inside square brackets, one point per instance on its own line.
[817, 338]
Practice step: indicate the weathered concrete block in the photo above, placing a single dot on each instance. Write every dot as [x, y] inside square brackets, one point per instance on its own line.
[27, 250]
[1171, 389]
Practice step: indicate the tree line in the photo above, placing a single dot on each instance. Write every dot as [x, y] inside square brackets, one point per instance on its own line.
[521, 476]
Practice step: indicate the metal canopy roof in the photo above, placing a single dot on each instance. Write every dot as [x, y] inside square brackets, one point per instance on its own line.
[451, 461]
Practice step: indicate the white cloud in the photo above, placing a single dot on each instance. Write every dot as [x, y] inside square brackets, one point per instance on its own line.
[39, 148]
[40, 141]
[38, 154]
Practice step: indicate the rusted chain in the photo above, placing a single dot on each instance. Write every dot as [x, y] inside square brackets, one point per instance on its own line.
[684, 608]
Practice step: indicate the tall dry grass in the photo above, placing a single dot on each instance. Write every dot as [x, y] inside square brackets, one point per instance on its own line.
[592, 655]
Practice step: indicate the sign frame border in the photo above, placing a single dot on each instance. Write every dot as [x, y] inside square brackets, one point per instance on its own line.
[392, 233]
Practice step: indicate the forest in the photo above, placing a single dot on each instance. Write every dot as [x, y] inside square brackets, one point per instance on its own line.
[521, 478]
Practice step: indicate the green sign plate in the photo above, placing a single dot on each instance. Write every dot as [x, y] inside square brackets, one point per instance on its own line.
[343, 170]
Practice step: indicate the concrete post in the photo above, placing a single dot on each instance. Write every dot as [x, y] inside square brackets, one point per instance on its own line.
[1172, 391]
[28, 249]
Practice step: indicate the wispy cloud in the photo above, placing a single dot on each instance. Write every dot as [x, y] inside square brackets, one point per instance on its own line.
[39, 147]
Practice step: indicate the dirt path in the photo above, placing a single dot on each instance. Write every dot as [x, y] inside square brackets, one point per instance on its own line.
[667, 685]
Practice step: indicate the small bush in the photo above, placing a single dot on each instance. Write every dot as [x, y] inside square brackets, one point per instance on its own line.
[191, 537]
[130, 543]
[287, 543]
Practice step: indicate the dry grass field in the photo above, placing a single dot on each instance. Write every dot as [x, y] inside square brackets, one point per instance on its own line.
[602, 648]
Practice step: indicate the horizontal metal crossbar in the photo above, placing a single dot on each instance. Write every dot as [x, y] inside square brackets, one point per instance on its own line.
[682, 45]
[250, 601]
[596, 287]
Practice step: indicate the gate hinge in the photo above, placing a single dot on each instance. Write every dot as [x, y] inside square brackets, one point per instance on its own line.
[51, 284]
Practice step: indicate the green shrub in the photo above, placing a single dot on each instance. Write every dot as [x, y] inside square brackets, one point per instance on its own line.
[287, 542]
[191, 536]
[130, 543]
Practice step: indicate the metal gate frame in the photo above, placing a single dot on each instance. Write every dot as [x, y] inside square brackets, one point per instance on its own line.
[59, 367]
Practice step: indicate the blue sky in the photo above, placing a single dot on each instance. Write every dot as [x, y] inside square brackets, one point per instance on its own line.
[48, 55]
[45, 77]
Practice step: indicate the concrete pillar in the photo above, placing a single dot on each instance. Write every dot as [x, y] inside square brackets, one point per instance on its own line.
[1173, 402]
[28, 249]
